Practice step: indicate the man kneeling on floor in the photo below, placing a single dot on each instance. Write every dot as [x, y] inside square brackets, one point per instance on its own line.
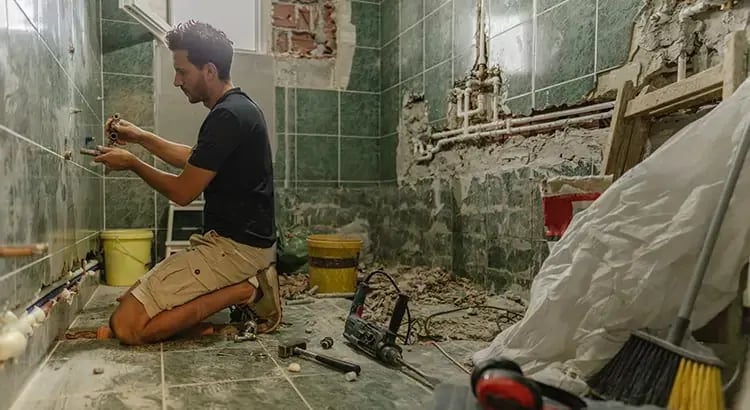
[231, 264]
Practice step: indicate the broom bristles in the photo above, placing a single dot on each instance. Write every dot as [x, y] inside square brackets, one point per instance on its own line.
[651, 371]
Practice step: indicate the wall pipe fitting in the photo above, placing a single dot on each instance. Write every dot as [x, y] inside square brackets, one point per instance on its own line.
[15, 330]
[22, 250]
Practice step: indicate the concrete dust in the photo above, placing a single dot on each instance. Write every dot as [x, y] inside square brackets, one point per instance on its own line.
[443, 307]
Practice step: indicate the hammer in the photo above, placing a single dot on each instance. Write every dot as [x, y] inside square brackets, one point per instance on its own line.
[297, 347]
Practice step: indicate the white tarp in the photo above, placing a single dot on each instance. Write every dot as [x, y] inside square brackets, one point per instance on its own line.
[624, 263]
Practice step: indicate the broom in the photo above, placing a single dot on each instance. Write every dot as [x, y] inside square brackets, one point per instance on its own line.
[660, 372]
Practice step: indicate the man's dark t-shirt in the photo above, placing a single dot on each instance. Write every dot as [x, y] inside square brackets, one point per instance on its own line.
[233, 141]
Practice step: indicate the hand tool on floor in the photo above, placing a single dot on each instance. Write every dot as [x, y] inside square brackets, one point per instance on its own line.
[248, 332]
[649, 370]
[377, 341]
[297, 347]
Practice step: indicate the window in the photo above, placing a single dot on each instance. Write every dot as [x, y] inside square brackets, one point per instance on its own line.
[240, 19]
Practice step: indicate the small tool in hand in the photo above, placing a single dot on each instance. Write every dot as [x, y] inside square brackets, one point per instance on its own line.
[113, 134]
[297, 347]
[90, 152]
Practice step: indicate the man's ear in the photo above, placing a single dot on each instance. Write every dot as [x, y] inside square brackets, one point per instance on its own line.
[212, 70]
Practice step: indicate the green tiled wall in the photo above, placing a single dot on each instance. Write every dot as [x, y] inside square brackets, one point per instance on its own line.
[549, 50]
[331, 138]
[128, 55]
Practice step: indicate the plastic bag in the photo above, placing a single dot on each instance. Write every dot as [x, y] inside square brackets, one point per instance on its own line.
[624, 263]
[291, 251]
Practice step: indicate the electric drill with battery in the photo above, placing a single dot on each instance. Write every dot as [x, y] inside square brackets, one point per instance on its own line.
[375, 340]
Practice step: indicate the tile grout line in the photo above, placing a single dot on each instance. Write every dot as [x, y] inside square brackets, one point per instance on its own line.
[101, 95]
[338, 120]
[163, 378]
[38, 145]
[552, 7]
[127, 74]
[596, 34]
[228, 381]
[36, 374]
[534, 27]
[47, 256]
[72, 82]
[286, 376]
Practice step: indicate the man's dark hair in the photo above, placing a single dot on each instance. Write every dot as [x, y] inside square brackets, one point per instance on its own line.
[204, 44]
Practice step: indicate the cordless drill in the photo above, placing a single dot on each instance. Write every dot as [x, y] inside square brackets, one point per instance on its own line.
[375, 340]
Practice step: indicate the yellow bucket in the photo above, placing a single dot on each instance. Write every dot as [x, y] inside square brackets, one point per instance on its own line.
[127, 255]
[333, 261]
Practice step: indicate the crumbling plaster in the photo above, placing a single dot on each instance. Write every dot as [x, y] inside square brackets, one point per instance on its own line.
[328, 73]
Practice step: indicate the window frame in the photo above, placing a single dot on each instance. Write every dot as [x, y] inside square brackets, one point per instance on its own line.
[159, 27]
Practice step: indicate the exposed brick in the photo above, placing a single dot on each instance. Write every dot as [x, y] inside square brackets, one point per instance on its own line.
[280, 41]
[302, 42]
[283, 15]
[304, 19]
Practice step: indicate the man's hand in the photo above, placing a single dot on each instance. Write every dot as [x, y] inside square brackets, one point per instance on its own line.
[116, 159]
[126, 131]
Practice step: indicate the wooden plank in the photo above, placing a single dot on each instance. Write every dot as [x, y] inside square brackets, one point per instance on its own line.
[665, 96]
[735, 62]
[636, 144]
[709, 95]
[616, 148]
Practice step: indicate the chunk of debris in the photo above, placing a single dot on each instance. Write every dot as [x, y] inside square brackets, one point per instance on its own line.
[350, 377]
[98, 370]
[294, 367]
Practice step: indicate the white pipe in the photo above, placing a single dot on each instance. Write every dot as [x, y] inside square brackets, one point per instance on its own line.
[482, 50]
[495, 96]
[513, 131]
[681, 67]
[524, 120]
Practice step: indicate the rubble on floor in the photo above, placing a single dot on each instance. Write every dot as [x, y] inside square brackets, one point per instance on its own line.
[442, 307]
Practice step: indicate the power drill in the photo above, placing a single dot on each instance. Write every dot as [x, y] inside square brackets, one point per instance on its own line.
[373, 339]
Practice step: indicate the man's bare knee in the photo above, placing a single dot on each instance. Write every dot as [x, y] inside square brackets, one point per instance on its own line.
[125, 323]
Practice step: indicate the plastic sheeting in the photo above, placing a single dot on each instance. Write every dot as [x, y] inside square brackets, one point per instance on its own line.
[625, 262]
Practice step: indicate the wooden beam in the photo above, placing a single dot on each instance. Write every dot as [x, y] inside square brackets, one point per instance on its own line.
[697, 84]
[615, 151]
[735, 62]
[711, 94]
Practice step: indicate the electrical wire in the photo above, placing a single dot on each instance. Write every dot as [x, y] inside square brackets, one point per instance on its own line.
[460, 366]
[395, 285]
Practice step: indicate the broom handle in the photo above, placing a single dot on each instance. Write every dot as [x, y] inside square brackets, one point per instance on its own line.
[679, 328]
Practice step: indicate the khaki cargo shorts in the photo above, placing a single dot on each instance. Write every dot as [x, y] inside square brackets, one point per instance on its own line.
[210, 263]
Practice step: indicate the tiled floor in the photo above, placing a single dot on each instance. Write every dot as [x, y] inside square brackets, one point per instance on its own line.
[215, 372]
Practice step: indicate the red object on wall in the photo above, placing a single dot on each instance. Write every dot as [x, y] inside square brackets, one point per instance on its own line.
[559, 210]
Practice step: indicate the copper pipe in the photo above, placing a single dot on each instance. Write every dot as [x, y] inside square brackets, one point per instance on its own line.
[22, 250]
[91, 152]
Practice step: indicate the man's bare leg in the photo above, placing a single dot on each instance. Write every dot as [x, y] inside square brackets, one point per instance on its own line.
[131, 325]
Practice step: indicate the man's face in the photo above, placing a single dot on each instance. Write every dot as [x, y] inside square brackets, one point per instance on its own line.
[190, 79]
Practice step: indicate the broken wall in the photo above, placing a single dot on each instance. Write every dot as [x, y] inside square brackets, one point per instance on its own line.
[552, 54]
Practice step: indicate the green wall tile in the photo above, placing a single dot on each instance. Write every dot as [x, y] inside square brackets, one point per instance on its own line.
[317, 157]
[415, 85]
[280, 109]
[437, 83]
[565, 43]
[117, 35]
[360, 159]
[616, 19]
[543, 5]
[411, 12]
[567, 93]
[506, 14]
[279, 166]
[388, 145]
[111, 11]
[462, 64]
[317, 111]
[520, 105]
[130, 203]
[365, 74]
[135, 59]
[390, 108]
[438, 31]
[464, 25]
[411, 61]
[432, 5]
[366, 18]
[360, 114]
[389, 26]
[390, 65]
[512, 51]
[132, 97]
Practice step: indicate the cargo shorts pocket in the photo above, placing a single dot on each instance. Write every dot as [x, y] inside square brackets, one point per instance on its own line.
[201, 270]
